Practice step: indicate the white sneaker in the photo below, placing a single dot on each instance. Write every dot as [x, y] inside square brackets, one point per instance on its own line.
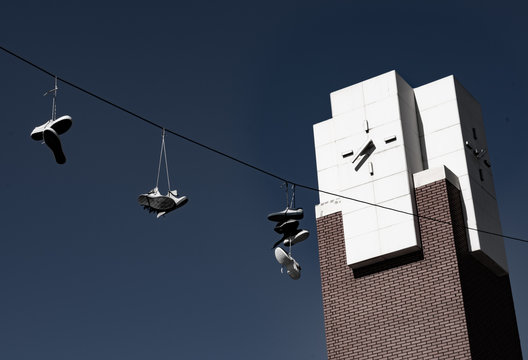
[175, 202]
[179, 201]
[153, 201]
[144, 199]
[60, 125]
[292, 267]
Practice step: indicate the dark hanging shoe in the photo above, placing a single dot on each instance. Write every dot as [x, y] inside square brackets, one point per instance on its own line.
[299, 236]
[287, 226]
[286, 214]
[52, 140]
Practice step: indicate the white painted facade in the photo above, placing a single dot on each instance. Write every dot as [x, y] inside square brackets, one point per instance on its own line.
[381, 133]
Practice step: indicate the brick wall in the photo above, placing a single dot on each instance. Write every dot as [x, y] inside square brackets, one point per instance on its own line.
[427, 305]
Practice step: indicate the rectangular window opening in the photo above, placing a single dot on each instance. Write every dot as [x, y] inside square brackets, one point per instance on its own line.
[390, 139]
[347, 154]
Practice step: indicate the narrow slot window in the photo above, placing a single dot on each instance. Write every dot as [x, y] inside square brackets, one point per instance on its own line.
[481, 175]
[347, 154]
[390, 139]
[474, 133]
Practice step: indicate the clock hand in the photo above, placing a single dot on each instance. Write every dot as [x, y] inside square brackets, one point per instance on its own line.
[363, 150]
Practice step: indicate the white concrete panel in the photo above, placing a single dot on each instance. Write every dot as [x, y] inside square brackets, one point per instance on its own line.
[328, 180]
[474, 239]
[398, 237]
[391, 187]
[408, 117]
[364, 193]
[414, 159]
[465, 186]
[326, 156]
[444, 141]
[405, 91]
[455, 161]
[362, 248]
[440, 117]
[380, 87]
[383, 111]
[346, 99]
[388, 218]
[349, 123]
[350, 177]
[324, 132]
[389, 162]
[360, 221]
[435, 93]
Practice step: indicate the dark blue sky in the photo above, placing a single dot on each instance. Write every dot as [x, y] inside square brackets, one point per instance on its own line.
[85, 273]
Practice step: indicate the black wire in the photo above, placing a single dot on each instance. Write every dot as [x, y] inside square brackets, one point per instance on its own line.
[238, 160]
[408, 213]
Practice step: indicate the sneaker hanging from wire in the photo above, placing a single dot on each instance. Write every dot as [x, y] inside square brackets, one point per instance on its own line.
[292, 267]
[50, 130]
[154, 201]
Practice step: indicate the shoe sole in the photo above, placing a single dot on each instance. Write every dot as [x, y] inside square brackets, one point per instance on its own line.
[52, 140]
[60, 125]
[159, 203]
[299, 237]
[292, 267]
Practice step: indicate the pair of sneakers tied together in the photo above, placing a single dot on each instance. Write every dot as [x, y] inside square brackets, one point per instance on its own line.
[288, 226]
[154, 201]
[50, 131]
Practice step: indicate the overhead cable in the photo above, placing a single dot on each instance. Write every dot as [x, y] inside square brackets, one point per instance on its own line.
[221, 153]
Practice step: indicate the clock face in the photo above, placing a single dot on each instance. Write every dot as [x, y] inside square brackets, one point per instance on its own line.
[369, 153]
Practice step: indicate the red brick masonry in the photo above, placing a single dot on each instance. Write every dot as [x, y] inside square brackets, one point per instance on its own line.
[437, 304]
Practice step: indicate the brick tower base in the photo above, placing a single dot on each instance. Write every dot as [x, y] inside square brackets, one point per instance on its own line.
[439, 303]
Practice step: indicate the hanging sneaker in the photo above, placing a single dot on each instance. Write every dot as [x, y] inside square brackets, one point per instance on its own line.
[154, 201]
[60, 125]
[287, 226]
[178, 201]
[52, 140]
[299, 236]
[294, 237]
[292, 267]
[286, 214]
[144, 199]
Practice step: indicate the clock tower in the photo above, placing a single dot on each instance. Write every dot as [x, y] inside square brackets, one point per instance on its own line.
[404, 272]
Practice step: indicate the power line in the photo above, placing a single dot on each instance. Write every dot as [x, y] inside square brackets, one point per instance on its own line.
[221, 153]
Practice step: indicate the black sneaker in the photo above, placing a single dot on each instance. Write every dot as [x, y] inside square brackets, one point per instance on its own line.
[287, 226]
[286, 214]
[52, 140]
